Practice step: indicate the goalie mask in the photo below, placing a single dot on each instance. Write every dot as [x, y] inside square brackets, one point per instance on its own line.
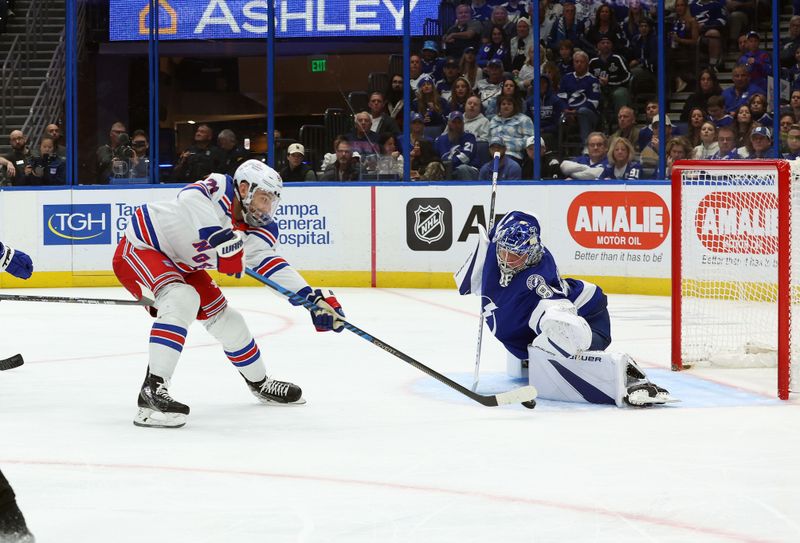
[518, 248]
[263, 193]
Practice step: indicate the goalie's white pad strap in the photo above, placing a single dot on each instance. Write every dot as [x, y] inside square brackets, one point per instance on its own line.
[568, 332]
[544, 305]
[468, 277]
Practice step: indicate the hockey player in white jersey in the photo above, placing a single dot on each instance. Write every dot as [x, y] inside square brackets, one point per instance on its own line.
[168, 246]
[555, 330]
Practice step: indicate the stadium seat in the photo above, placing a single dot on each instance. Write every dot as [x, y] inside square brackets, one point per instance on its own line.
[359, 101]
[313, 138]
[377, 81]
[337, 121]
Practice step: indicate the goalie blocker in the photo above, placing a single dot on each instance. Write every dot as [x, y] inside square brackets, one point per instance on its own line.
[555, 330]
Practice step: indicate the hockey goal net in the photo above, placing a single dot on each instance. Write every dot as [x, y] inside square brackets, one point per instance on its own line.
[734, 285]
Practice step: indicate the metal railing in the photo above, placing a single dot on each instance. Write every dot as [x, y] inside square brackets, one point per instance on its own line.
[11, 80]
[35, 19]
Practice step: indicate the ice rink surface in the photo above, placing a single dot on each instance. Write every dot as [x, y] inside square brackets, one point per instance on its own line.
[381, 452]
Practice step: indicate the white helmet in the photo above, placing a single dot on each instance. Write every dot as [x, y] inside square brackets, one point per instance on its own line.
[260, 177]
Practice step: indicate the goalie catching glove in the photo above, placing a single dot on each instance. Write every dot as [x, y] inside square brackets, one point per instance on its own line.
[230, 254]
[329, 314]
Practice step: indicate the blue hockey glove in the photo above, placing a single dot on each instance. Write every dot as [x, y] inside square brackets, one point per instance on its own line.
[15, 262]
[326, 317]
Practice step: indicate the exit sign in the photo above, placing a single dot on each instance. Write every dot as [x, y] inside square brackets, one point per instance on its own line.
[319, 65]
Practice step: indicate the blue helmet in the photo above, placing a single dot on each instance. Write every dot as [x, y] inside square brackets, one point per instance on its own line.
[518, 247]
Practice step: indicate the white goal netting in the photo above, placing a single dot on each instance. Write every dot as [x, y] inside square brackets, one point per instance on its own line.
[732, 233]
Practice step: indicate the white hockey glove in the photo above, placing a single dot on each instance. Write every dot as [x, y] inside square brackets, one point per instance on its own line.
[566, 331]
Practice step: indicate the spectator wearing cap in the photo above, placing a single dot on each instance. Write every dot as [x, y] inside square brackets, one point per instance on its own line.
[726, 142]
[468, 66]
[429, 104]
[548, 108]
[431, 63]
[495, 49]
[476, 122]
[507, 170]
[741, 90]
[757, 62]
[517, 10]
[592, 164]
[520, 45]
[381, 121]
[458, 147]
[760, 144]
[621, 161]
[450, 74]
[512, 126]
[581, 91]
[362, 139]
[499, 18]
[417, 128]
[567, 27]
[549, 165]
[481, 11]
[465, 32]
[296, 169]
[612, 72]
[492, 86]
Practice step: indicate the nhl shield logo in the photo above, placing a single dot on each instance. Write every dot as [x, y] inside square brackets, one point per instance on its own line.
[429, 223]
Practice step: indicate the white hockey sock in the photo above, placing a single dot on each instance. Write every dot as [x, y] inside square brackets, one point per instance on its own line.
[177, 307]
[591, 377]
[232, 332]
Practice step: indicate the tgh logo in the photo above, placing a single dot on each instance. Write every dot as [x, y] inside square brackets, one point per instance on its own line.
[429, 224]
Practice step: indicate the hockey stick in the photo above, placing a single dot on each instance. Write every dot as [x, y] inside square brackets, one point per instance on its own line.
[144, 300]
[476, 375]
[11, 362]
[524, 395]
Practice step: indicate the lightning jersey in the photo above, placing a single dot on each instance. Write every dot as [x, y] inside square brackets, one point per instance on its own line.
[513, 312]
[180, 228]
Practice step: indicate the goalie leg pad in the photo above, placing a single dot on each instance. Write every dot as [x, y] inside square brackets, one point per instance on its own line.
[590, 377]
[230, 329]
[567, 332]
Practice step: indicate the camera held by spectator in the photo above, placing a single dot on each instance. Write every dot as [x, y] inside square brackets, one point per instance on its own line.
[123, 155]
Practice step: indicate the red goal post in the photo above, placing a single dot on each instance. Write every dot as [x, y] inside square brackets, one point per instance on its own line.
[733, 244]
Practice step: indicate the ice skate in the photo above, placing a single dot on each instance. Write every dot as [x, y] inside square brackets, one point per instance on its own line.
[157, 409]
[274, 392]
[641, 392]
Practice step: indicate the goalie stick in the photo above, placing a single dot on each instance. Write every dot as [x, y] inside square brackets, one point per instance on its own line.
[11, 362]
[476, 375]
[524, 395]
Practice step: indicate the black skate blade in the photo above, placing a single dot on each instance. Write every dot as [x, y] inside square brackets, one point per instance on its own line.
[11, 362]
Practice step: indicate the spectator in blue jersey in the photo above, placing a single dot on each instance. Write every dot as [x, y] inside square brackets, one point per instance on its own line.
[646, 133]
[362, 139]
[507, 170]
[592, 164]
[431, 63]
[481, 11]
[495, 48]
[449, 75]
[644, 54]
[758, 62]
[417, 128]
[611, 71]
[711, 17]
[459, 94]
[605, 25]
[758, 107]
[567, 27]
[626, 123]
[621, 163]
[726, 141]
[458, 147]
[47, 168]
[709, 146]
[649, 152]
[717, 114]
[565, 52]
[429, 104]
[793, 143]
[791, 44]
[683, 35]
[513, 126]
[741, 90]
[476, 122]
[761, 143]
[581, 92]
[548, 108]
[465, 32]
[707, 86]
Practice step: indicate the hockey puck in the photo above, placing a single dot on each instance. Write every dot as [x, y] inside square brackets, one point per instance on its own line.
[530, 404]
